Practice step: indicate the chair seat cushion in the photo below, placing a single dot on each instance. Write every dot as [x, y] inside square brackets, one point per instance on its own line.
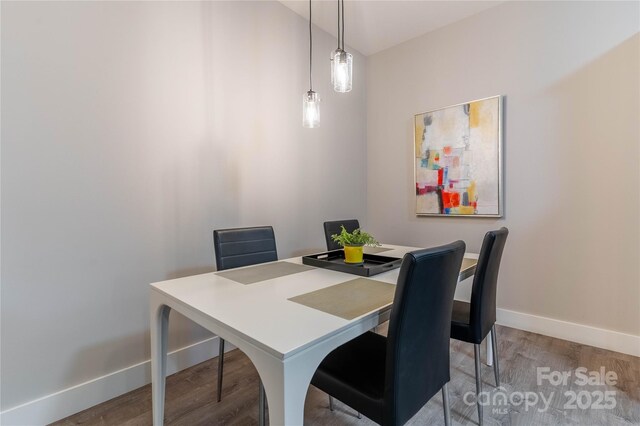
[355, 372]
[460, 328]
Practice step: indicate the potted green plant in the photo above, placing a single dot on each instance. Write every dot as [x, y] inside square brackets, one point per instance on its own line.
[353, 244]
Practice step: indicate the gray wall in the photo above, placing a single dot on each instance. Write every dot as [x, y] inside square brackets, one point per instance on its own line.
[570, 75]
[129, 132]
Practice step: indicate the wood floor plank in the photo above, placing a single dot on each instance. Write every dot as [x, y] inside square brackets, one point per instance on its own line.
[191, 393]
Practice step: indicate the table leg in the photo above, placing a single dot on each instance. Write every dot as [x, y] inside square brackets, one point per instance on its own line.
[286, 394]
[285, 383]
[159, 331]
[287, 380]
[489, 341]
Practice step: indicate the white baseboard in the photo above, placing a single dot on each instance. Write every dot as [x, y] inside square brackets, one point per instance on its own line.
[59, 405]
[584, 334]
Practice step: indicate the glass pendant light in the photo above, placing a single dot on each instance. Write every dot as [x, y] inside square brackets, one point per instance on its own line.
[310, 100]
[342, 71]
[311, 110]
[341, 61]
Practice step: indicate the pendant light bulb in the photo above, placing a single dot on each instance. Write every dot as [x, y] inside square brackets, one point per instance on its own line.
[311, 110]
[342, 71]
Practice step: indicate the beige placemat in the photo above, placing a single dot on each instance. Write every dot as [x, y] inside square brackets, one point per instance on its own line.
[349, 299]
[357, 297]
[257, 273]
[374, 250]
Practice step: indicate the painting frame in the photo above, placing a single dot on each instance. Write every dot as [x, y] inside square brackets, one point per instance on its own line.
[495, 163]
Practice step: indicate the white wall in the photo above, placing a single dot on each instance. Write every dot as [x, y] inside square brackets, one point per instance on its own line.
[570, 75]
[131, 130]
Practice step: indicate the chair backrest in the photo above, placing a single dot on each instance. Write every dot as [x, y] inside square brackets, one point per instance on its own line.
[334, 227]
[417, 363]
[244, 246]
[485, 283]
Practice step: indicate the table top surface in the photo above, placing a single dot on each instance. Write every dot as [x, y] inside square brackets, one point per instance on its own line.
[262, 313]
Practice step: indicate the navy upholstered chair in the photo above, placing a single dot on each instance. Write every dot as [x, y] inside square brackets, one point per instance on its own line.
[471, 322]
[389, 379]
[241, 247]
[334, 227]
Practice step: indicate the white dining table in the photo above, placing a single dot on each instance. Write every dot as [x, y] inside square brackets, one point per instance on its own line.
[286, 341]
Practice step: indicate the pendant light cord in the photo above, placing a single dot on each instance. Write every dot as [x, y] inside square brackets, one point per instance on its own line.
[310, 49]
[338, 24]
[342, 24]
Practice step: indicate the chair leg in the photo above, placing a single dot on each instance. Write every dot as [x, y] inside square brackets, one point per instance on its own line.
[220, 368]
[494, 342]
[261, 405]
[331, 406]
[445, 404]
[476, 353]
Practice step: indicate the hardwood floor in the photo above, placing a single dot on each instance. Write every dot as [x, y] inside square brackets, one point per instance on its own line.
[191, 398]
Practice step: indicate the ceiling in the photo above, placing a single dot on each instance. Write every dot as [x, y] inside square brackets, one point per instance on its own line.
[374, 25]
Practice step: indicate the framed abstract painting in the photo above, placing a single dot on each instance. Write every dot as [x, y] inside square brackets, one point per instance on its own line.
[458, 160]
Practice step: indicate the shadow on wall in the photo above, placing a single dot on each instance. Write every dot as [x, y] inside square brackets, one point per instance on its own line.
[187, 272]
[584, 197]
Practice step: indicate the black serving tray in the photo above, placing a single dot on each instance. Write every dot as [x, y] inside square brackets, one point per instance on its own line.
[373, 264]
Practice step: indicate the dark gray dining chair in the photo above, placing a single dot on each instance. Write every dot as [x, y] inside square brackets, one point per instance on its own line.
[334, 227]
[389, 379]
[238, 247]
[472, 322]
